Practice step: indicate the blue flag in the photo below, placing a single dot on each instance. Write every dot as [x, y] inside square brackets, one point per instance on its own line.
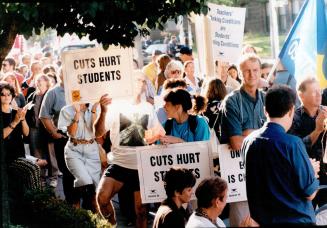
[303, 51]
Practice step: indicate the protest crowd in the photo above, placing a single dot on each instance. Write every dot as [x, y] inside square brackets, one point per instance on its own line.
[280, 132]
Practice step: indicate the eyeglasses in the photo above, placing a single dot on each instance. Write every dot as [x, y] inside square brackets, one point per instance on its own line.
[175, 71]
[5, 94]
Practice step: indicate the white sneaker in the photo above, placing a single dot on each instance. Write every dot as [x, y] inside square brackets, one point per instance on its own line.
[53, 183]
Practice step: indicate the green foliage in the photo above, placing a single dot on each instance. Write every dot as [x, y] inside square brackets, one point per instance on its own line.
[110, 22]
[262, 43]
[43, 209]
[231, 2]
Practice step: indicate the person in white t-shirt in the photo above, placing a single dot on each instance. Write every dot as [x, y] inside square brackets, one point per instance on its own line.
[131, 124]
[211, 194]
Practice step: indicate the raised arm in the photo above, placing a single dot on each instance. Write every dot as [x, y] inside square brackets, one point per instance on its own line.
[99, 126]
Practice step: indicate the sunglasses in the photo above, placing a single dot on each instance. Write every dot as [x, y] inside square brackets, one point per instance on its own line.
[5, 94]
[175, 71]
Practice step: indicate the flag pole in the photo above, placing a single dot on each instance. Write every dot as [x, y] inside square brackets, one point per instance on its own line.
[274, 67]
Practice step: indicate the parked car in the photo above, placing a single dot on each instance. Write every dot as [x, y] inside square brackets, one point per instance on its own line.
[147, 53]
[77, 46]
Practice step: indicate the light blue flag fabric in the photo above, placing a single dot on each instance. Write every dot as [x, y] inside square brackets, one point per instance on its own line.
[299, 53]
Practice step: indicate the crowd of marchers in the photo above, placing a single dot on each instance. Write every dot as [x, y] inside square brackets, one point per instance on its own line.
[279, 130]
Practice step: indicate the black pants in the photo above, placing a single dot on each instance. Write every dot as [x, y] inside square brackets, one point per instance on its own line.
[321, 197]
[71, 194]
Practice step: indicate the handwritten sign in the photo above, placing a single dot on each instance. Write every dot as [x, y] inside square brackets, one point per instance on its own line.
[227, 30]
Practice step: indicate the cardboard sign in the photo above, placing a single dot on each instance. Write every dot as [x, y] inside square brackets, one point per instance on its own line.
[232, 170]
[154, 161]
[227, 30]
[90, 73]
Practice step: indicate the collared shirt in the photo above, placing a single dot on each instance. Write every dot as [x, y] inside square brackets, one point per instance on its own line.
[241, 112]
[84, 129]
[279, 177]
[303, 125]
[52, 103]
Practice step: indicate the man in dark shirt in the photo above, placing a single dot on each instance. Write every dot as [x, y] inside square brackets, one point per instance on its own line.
[178, 186]
[308, 124]
[280, 179]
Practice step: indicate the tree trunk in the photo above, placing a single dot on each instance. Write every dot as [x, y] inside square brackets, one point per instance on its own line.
[7, 40]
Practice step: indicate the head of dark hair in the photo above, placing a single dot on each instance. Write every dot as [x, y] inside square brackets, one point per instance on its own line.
[162, 61]
[177, 179]
[232, 67]
[209, 189]
[266, 65]
[52, 75]
[179, 97]
[199, 104]
[216, 90]
[47, 54]
[11, 61]
[280, 99]
[7, 86]
[174, 83]
[48, 68]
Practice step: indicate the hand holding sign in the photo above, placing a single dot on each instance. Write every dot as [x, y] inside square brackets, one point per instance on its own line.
[105, 100]
[153, 134]
[168, 139]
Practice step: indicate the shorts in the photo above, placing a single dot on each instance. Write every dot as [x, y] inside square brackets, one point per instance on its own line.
[129, 177]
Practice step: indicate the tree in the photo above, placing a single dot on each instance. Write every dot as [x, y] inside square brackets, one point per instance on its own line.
[109, 22]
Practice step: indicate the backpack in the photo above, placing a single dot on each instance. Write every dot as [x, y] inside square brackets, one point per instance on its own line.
[192, 122]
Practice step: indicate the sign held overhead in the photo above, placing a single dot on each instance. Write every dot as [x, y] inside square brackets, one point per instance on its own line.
[90, 73]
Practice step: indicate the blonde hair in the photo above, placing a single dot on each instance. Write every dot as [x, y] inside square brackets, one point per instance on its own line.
[16, 86]
[45, 78]
[249, 57]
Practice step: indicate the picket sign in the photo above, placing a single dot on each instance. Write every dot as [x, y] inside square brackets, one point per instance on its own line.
[232, 169]
[154, 161]
[89, 73]
[227, 31]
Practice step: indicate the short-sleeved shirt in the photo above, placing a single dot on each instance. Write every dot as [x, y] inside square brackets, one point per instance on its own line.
[241, 112]
[279, 177]
[150, 71]
[84, 130]
[52, 103]
[183, 131]
[127, 123]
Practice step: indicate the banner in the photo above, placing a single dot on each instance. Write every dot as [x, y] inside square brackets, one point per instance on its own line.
[155, 161]
[227, 30]
[90, 73]
[232, 170]
[303, 53]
